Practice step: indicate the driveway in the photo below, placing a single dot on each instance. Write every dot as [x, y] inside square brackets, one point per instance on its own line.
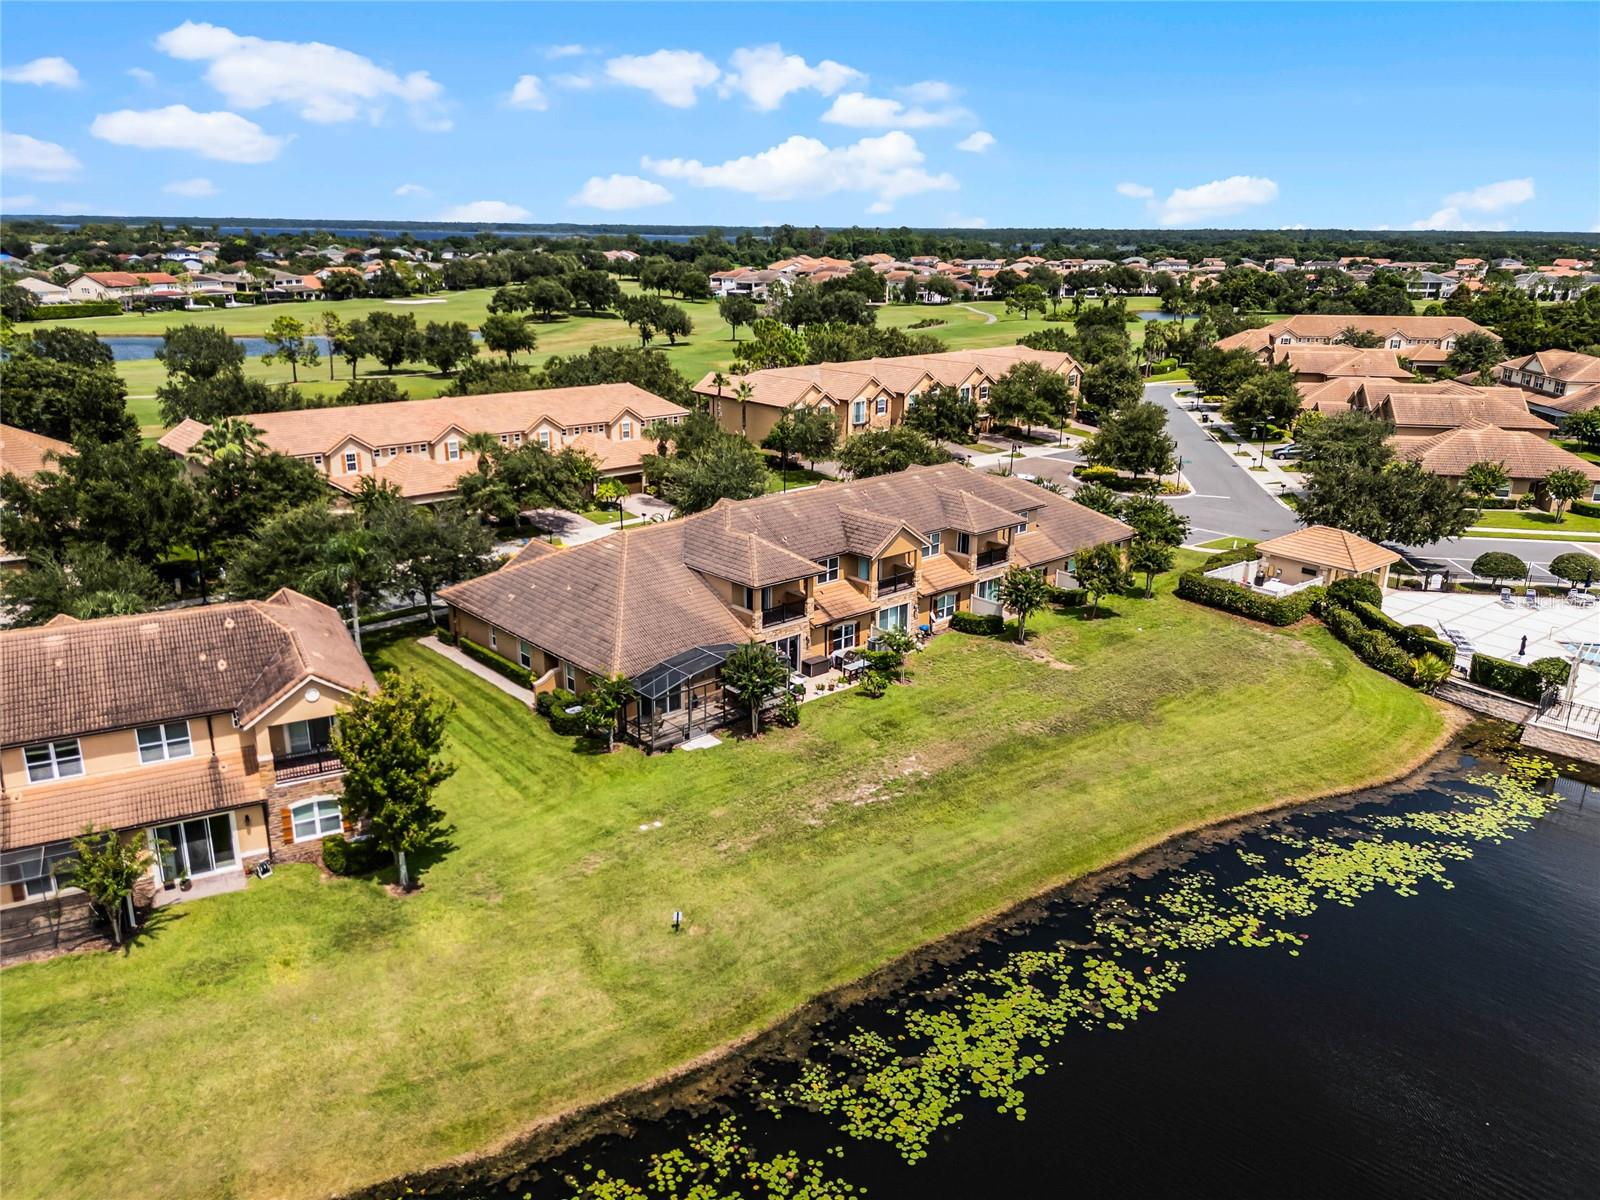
[1226, 501]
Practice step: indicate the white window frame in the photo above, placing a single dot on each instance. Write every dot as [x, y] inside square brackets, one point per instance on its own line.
[352, 462]
[494, 639]
[882, 405]
[525, 654]
[233, 835]
[966, 392]
[989, 589]
[944, 605]
[166, 745]
[627, 430]
[316, 460]
[858, 412]
[830, 568]
[933, 545]
[841, 631]
[316, 818]
[452, 450]
[569, 677]
[544, 438]
[55, 761]
[905, 617]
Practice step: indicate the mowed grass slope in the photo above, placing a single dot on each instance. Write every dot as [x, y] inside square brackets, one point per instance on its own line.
[313, 1034]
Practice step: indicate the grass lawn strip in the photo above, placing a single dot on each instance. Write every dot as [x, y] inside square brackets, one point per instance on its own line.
[321, 1022]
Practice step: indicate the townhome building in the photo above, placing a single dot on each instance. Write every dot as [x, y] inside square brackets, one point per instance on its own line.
[1318, 363]
[866, 394]
[1424, 342]
[123, 286]
[1526, 457]
[419, 446]
[203, 733]
[756, 284]
[1559, 383]
[43, 291]
[811, 573]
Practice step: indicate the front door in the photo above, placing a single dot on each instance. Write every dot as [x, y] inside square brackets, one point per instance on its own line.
[788, 649]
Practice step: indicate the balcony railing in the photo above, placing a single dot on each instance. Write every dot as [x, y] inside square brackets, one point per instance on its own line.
[290, 768]
[992, 557]
[888, 585]
[791, 610]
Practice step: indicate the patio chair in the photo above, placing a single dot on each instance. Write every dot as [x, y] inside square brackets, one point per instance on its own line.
[1505, 598]
[1531, 599]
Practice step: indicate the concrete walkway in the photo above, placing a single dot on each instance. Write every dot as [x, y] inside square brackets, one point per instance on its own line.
[492, 678]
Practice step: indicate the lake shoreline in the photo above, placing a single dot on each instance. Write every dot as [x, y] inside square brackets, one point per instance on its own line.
[697, 1085]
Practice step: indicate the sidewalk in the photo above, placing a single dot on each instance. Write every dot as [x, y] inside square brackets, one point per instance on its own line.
[1268, 474]
[492, 678]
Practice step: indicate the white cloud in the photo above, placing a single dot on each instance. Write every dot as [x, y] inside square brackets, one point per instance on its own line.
[1490, 198]
[528, 93]
[976, 143]
[570, 50]
[620, 191]
[576, 82]
[861, 111]
[411, 189]
[888, 167]
[322, 83]
[930, 91]
[224, 136]
[1135, 191]
[1296, 225]
[672, 76]
[140, 75]
[34, 159]
[191, 187]
[1219, 198]
[45, 72]
[485, 210]
[12, 203]
[766, 75]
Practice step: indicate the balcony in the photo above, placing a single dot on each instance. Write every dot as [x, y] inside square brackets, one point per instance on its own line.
[901, 581]
[789, 610]
[292, 768]
[993, 556]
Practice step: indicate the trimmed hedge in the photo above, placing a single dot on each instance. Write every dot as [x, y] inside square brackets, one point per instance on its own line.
[515, 672]
[553, 706]
[1375, 647]
[1074, 597]
[1415, 639]
[1584, 508]
[1234, 598]
[352, 858]
[986, 625]
[1349, 592]
[81, 308]
[1513, 679]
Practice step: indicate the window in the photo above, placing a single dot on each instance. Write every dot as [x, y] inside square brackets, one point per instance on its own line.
[544, 438]
[191, 848]
[983, 392]
[1284, 341]
[1394, 343]
[504, 438]
[892, 618]
[830, 568]
[966, 393]
[516, 439]
[158, 743]
[306, 737]
[316, 460]
[525, 654]
[1019, 529]
[935, 544]
[842, 637]
[494, 639]
[316, 818]
[627, 430]
[911, 400]
[351, 462]
[883, 405]
[40, 888]
[858, 413]
[943, 606]
[863, 568]
[989, 589]
[569, 677]
[1503, 490]
[452, 450]
[963, 543]
[53, 760]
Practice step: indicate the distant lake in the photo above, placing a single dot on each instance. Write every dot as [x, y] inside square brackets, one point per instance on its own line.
[143, 349]
[1158, 316]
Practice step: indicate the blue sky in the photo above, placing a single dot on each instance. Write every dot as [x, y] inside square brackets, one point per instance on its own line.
[1260, 116]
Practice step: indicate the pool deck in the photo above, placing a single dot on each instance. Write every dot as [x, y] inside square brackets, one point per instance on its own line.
[1553, 629]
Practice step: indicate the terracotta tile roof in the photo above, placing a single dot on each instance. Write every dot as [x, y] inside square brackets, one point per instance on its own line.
[839, 601]
[534, 549]
[128, 279]
[1335, 361]
[941, 573]
[22, 452]
[1324, 546]
[58, 811]
[1316, 325]
[868, 533]
[310, 431]
[1570, 366]
[416, 475]
[711, 544]
[1503, 407]
[1575, 400]
[78, 677]
[973, 514]
[184, 436]
[1524, 455]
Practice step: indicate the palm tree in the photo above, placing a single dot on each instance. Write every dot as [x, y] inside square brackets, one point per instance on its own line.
[486, 446]
[228, 439]
[719, 381]
[351, 560]
[742, 394]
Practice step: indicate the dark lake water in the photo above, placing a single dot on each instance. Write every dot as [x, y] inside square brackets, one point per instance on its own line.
[132, 348]
[1440, 1045]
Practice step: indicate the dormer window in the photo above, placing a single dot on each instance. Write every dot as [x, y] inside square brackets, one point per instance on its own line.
[883, 405]
[830, 568]
[452, 450]
[352, 462]
[627, 430]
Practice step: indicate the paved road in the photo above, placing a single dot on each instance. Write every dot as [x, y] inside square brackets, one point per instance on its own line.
[1226, 501]
[1456, 554]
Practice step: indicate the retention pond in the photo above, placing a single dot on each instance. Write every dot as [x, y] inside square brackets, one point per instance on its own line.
[1396, 994]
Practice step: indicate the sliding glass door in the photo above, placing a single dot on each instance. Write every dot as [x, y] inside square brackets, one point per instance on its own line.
[193, 848]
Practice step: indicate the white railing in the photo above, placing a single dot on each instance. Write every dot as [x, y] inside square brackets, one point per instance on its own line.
[1244, 574]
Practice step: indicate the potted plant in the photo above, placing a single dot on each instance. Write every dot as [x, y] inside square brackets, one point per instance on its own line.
[183, 880]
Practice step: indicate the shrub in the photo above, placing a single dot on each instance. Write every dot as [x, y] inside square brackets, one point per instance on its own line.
[874, 684]
[1231, 597]
[553, 705]
[991, 625]
[1497, 565]
[83, 308]
[1097, 474]
[1375, 647]
[445, 636]
[786, 713]
[1349, 592]
[1074, 597]
[1226, 558]
[352, 857]
[515, 672]
[1575, 566]
[1585, 508]
[1513, 679]
[1554, 671]
[556, 698]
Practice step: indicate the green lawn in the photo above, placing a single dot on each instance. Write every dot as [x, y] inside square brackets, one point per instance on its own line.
[309, 1034]
[1534, 520]
[1226, 543]
[1579, 449]
[796, 476]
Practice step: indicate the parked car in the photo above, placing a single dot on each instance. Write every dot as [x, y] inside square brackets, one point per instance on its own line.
[1284, 452]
